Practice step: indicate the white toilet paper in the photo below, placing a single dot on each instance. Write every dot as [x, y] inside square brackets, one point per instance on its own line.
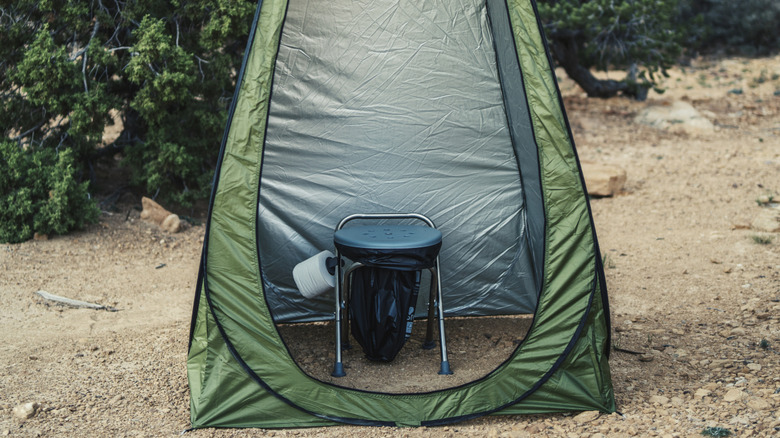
[312, 276]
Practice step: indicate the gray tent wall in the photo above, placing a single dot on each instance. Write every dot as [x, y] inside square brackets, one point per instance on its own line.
[403, 106]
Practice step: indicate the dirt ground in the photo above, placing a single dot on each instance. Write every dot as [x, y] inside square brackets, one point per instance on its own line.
[694, 290]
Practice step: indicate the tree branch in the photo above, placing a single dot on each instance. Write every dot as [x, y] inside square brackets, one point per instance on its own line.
[567, 54]
[28, 132]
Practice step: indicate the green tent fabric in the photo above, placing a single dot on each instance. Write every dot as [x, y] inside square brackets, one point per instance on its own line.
[330, 92]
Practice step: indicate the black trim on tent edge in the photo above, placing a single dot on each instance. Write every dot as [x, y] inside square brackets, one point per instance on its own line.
[515, 143]
[599, 263]
[362, 422]
[231, 112]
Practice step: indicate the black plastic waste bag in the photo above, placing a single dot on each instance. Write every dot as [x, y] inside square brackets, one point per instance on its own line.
[381, 309]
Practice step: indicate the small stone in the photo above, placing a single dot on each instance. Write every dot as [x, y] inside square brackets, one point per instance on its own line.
[767, 220]
[758, 404]
[603, 179]
[646, 358]
[586, 417]
[171, 224]
[155, 213]
[677, 116]
[754, 367]
[533, 429]
[701, 393]
[659, 399]
[739, 331]
[733, 395]
[25, 411]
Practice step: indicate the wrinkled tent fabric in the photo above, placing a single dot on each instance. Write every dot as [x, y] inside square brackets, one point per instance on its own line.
[496, 168]
[398, 108]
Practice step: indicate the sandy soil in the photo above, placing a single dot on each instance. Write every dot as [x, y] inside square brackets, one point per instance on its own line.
[693, 288]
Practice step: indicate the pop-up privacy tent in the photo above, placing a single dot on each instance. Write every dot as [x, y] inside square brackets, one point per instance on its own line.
[448, 109]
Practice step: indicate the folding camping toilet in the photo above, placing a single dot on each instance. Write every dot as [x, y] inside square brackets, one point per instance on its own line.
[379, 291]
[447, 109]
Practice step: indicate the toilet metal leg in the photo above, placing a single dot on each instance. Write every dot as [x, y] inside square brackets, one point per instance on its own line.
[445, 363]
[338, 366]
[429, 343]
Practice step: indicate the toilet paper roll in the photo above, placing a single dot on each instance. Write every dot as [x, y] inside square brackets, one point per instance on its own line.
[312, 276]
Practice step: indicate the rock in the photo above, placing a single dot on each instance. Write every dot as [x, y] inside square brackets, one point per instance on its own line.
[603, 179]
[739, 331]
[767, 220]
[733, 395]
[586, 417]
[678, 116]
[171, 224]
[533, 429]
[702, 392]
[659, 399]
[754, 366]
[758, 404]
[25, 411]
[155, 213]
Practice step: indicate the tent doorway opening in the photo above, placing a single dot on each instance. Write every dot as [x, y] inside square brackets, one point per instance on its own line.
[476, 346]
[402, 109]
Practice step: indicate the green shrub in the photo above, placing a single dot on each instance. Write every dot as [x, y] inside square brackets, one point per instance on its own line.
[168, 68]
[636, 35]
[40, 193]
[716, 432]
[747, 26]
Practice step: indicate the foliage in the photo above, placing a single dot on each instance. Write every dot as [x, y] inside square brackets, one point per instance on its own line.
[168, 67]
[40, 192]
[716, 431]
[762, 240]
[748, 26]
[636, 35]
